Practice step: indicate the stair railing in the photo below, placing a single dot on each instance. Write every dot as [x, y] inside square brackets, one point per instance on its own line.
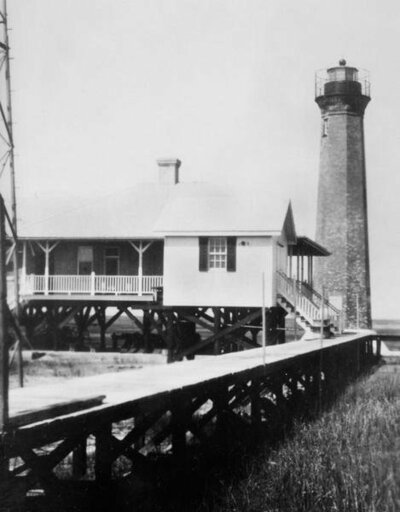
[309, 306]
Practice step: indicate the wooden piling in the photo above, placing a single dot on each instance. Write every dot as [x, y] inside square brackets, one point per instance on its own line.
[79, 460]
[179, 413]
[217, 328]
[103, 458]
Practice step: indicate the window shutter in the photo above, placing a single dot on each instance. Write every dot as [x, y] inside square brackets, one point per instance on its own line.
[231, 260]
[203, 254]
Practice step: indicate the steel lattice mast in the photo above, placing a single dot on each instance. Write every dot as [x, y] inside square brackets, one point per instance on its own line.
[7, 165]
[7, 158]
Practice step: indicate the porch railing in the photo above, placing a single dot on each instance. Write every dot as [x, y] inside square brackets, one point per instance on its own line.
[92, 284]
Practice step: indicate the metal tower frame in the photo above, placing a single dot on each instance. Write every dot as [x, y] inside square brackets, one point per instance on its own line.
[7, 170]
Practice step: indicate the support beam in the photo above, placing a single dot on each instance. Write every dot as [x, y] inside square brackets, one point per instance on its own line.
[79, 459]
[178, 425]
[201, 344]
[169, 336]
[114, 318]
[199, 321]
[103, 457]
[147, 321]
[217, 328]
[132, 317]
[100, 313]
[82, 322]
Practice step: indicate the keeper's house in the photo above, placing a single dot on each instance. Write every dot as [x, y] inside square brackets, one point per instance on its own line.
[201, 244]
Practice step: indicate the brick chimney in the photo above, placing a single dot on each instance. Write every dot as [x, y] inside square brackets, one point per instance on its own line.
[168, 170]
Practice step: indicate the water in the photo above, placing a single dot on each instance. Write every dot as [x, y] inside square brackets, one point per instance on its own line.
[389, 329]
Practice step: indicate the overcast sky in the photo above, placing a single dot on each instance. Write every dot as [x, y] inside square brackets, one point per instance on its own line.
[102, 88]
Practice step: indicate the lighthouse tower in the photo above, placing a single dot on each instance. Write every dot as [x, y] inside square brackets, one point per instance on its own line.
[342, 94]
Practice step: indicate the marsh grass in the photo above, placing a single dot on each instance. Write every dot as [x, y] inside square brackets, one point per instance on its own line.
[347, 460]
[52, 366]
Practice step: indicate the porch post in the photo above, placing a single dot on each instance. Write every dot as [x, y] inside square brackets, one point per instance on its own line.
[302, 268]
[47, 250]
[140, 269]
[310, 271]
[46, 268]
[92, 283]
[140, 250]
[23, 270]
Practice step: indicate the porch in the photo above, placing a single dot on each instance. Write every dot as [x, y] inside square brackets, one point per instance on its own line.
[101, 268]
[90, 285]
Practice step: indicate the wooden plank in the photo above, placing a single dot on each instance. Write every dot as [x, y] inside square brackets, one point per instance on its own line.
[51, 411]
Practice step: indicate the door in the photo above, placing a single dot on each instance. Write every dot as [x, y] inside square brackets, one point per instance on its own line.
[111, 261]
[85, 260]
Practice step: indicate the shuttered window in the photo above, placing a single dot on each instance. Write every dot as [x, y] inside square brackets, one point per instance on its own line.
[217, 253]
[231, 259]
[203, 254]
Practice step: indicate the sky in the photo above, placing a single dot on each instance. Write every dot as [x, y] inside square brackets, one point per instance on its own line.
[102, 88]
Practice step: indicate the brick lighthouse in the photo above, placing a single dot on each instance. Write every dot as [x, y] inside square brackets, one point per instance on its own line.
[342, 94]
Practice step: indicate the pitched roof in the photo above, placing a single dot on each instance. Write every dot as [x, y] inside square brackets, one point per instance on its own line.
[153, 210]
[131, 213]
[200, 208]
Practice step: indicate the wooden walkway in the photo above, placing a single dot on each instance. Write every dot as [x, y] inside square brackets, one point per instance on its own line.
[150, 382]
[167, 408]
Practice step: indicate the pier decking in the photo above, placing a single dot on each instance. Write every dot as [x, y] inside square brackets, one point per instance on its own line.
[151, 382]
[165, 406]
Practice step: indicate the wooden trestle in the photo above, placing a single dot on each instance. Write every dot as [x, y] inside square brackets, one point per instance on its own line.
[176, 329]
[169, 409]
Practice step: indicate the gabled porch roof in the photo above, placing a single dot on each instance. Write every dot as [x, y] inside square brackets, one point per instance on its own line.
[307, 247]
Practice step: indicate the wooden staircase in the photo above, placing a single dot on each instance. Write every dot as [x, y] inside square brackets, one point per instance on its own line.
[306, 304]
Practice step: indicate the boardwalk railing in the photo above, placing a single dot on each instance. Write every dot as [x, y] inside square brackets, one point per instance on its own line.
[92, 284]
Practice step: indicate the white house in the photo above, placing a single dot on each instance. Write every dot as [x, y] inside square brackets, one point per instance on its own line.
[202, 244]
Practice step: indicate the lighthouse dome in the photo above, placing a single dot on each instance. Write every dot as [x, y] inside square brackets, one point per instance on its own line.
[342, 79]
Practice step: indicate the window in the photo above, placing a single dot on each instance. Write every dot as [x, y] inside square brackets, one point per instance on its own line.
[85, 259]
[217, 252]
[111, 261]
[325, 127]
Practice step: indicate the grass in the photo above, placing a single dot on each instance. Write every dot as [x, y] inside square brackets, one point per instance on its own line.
[53, 366]
[347, 460]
